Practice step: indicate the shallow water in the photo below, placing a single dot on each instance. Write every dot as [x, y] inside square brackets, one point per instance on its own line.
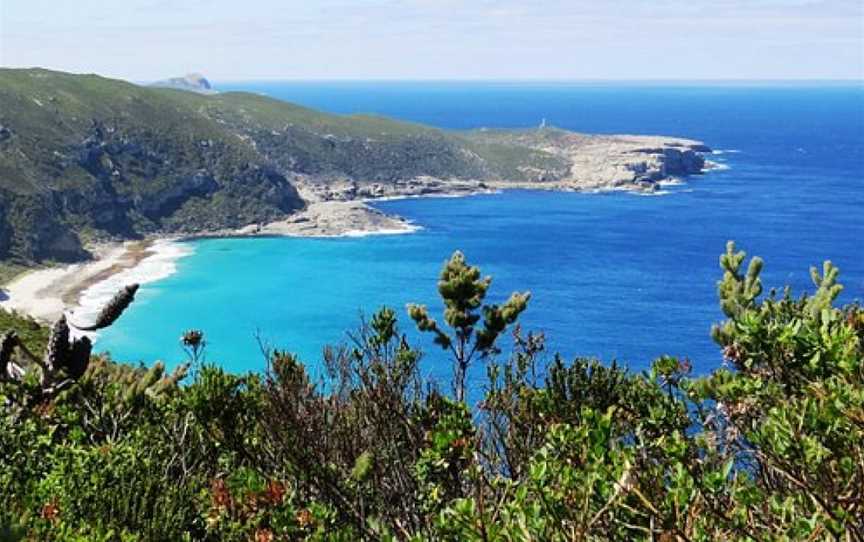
[612, 275]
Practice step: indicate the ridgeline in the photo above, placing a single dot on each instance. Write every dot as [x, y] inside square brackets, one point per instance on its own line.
[85, 158]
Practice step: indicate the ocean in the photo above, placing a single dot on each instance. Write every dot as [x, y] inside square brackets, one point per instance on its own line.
[613, 276]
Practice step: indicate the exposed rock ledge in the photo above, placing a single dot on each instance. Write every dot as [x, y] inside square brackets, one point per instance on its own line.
[334, 219]
[594, 163]
[627, 162]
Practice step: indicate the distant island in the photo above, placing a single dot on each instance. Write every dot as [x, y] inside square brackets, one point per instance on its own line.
[86, 159]
[193, 82]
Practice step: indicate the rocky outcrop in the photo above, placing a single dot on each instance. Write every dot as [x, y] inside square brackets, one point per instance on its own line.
[585, 162]
[192, 82]
[625, 162]
[350, 190]
[5, 233]
[33, 231]
[335, 218]
[178, 190]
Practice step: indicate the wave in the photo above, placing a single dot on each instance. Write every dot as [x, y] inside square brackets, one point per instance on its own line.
[162, 263]
[434, 195]
[725, 151]
[409, 228]
[711, 165]
[654, 193]
[605, 190]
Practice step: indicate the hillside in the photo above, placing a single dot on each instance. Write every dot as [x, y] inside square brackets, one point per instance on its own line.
[83, 157]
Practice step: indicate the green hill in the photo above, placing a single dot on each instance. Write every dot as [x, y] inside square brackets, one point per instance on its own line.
[84, 157]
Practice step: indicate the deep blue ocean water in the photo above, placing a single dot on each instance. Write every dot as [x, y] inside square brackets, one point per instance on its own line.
[617, 276]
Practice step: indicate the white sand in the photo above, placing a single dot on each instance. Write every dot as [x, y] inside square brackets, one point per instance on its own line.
[83, 288]
[40, 293]
[160, 262]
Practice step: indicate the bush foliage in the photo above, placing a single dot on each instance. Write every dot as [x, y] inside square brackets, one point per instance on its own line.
[769, 446]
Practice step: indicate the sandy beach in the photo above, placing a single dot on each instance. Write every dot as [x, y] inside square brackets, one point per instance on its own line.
[45, 293]
[83, 288]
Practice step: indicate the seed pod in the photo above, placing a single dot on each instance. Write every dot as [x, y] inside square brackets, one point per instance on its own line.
[8, 342]
[192, 338]
[58, 345]
[112, 311]
[79, 357]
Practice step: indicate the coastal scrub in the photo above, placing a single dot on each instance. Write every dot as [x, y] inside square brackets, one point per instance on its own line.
[768, 446]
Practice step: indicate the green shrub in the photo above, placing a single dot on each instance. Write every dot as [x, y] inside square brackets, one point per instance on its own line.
[768, 446]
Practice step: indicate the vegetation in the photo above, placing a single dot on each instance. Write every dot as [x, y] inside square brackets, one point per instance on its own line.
[84, 157]
[9, 271]
[769, 446]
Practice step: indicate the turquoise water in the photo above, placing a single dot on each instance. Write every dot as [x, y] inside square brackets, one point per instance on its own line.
[614, 275]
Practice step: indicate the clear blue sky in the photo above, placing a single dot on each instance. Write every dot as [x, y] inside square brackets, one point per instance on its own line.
[439, 39]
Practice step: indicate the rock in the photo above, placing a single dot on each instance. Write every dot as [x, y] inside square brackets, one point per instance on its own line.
[177, 191]
[198, 81]
[5, 235]
[38, 235]
[603, 162]
[193, 82]
[334, 218]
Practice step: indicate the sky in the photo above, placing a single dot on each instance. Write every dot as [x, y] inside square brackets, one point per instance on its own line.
[145, 40]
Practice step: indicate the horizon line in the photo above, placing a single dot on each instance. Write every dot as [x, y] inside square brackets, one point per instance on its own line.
[859, 81]
[503, 79]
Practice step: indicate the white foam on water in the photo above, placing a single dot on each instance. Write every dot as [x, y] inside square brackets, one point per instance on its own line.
[159, 265]
[725, 151]
[434, 195]
[654, 193]
[409, 228]
[606, 190]
[711, 165]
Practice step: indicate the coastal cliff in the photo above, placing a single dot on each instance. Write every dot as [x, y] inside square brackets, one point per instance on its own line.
[85, 158]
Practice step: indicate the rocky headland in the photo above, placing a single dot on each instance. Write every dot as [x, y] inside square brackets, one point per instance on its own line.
[86, 161]
[590, 163]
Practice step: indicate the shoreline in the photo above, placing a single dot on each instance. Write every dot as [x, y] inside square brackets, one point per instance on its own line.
[82, 288]
[44, 294]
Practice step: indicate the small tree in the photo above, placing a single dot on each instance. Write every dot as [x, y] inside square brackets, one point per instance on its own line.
[463, 290]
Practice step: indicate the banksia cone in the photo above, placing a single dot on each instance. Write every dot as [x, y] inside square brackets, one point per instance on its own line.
[58, 345]
[79, 357]
[112, 311]
[8, 342]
